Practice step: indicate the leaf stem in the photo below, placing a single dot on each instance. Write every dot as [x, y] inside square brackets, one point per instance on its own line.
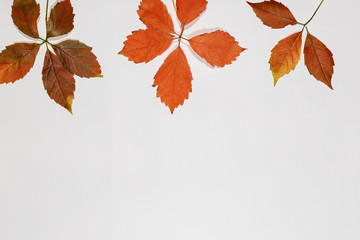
[173, 1]
[46, 19]
[314, 13]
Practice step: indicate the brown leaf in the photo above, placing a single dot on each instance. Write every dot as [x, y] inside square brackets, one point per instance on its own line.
[174, 80]
[25, 14]
[61, 19]
[285, 56]
[319, 60]
[189, 10]
[17, 60]
[154, 14]
[78, 58]
[58, 82]
[145, 45]
[273, 14]
[217, 48]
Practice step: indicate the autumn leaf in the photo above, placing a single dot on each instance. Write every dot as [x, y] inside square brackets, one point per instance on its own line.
[78, 58]
[72, 56]
[285, 56]
[58, 81]
[217, 48]
[145, 45]
[273, 14]
[61, 19]
[16, 61]
[319, 60]
[154, 14]
[173, 79]
[25, 14]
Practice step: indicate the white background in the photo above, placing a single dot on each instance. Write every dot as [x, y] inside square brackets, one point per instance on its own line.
[240, 160]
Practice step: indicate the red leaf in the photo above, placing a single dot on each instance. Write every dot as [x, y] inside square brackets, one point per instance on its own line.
[189, 10]
[217, 48]
[154, 14]
[78, 58]
[25, 14]
[174, 80]
[145, 45]
[61, 19]
[58, 82]
[319, 60]
[273, 14]
[285, 56]
[17, 60]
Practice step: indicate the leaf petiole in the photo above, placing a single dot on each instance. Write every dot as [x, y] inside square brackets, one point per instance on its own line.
[173, 1]
[314, 13]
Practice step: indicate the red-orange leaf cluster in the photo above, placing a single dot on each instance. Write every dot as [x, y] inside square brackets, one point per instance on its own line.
[286, 54]
[71, 57]
[174, 77]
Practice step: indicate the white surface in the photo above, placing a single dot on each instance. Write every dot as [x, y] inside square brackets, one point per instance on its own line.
[240, 160]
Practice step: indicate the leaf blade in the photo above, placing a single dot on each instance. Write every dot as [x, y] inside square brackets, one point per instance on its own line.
[58, 82]
[154, 14]
[319, 60]
[143, 46]
[273, 14]
[173, 80]
[285, 56]
[25, 14]
[78, 58]
[61, 20]
[189, 10]
[218, 48]
[17, 60]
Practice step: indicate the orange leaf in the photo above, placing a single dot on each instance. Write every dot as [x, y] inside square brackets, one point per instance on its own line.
[319, 60]
[285, 56]
[174, 80]
[58, 82]
[16, 61]
[273, 14]
[189, 10]
[61, 19]
[25, 14]
[217, 48]
[145, 45]
[154, 14]
[78, 58]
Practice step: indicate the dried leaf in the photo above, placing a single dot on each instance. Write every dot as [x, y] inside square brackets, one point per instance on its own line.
[285, 56]
[25, 14]
[189, 10]
[61, 19]
[154, 14]
[319, 60]
[17, 60]
[217, 48]
[273, 14]
[58, 81]
[145, 45]
[174, 80]
[78, 58]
